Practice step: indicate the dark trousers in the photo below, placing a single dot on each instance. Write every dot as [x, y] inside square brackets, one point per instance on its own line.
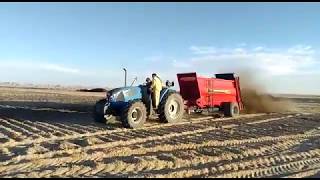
[149, 108]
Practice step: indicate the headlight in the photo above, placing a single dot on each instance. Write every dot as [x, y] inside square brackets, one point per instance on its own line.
[111, 98]
[114, 96]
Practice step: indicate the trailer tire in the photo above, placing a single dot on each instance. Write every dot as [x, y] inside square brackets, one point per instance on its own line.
[134, 116]
[171, 108]
[231, 109]
[199, 111]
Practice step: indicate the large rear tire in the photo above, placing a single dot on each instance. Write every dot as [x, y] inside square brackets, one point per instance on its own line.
[134, 116]
[171, 108]
[231, 109]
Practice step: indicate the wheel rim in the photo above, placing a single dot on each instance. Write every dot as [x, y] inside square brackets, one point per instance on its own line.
[174, 109]
[136, 115]
[235, 110]
[108, 116]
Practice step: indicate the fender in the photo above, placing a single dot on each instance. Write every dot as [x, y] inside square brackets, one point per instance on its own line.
[166, 91]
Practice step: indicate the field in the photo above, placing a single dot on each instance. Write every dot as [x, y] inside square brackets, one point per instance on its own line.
[50, 133]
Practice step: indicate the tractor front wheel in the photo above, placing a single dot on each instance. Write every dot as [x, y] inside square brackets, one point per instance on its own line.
[134, 116]
[98, 113]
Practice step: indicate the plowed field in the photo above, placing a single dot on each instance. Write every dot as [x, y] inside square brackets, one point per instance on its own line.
[52, 134]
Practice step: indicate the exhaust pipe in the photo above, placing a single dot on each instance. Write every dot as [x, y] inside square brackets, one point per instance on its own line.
[125, 77]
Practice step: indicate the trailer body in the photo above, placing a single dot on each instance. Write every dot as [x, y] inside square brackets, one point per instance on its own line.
[203, 92]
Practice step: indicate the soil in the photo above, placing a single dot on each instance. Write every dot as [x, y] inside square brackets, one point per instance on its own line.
[47, 133]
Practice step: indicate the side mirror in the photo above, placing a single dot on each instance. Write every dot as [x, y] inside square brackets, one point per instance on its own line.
[135, 79]
[169, 84]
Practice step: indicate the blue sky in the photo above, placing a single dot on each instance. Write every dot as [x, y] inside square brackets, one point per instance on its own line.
[89, 43]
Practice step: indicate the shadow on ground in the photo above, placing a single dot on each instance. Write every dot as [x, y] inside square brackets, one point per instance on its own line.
[65, 113]
[51, 112]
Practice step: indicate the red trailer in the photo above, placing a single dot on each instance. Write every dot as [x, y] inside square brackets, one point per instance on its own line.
[222, 92]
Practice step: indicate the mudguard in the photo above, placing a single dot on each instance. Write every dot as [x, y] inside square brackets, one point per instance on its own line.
[165, 91]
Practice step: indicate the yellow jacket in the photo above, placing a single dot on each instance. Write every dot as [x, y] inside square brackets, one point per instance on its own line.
[156, 84]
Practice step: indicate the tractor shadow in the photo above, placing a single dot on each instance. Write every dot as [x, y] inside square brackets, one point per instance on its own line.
[52, 112]
[66, 113]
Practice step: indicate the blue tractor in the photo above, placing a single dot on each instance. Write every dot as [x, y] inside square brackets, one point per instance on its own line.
[132, 105]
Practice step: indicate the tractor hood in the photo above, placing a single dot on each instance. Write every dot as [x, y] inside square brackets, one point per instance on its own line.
[124, 94]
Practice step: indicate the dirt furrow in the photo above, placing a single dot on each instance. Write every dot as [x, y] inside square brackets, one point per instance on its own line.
[12, 134]
[111, 144]
[56, 128]
[31, 128]
[305, 173]
[156, 164]
[262, 146]
[50, 131]
[3, 136]
[19, 129]
[122, 169]
[271, 171]
[247, 167]
[88, 128]
[99, 156]
[71, 135]
[71, 129]
[143, 140]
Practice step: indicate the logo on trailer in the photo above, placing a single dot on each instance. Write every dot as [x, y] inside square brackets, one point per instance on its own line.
[218, 91]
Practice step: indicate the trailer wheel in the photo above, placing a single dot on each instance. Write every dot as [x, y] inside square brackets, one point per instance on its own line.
[134, 116]
[231, 109]
[199, 111]
[171, 108]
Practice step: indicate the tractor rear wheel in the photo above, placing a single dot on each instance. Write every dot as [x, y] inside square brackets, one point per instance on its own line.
[171, 108]
[134, 116]
[99, 111]
[231, 109]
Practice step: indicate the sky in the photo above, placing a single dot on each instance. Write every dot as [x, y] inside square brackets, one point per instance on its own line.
[89, 43]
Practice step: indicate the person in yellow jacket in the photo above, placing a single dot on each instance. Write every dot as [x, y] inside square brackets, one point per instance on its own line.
[156, 88]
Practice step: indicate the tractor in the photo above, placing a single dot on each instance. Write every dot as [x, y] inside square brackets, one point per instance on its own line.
[131, 105]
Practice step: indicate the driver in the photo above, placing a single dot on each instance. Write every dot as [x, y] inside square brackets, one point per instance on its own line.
[156, 89]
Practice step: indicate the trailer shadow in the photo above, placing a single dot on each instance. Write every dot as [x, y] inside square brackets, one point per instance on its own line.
[52, 112]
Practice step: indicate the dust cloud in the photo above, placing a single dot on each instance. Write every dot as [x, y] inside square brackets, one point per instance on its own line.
[255, 97]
